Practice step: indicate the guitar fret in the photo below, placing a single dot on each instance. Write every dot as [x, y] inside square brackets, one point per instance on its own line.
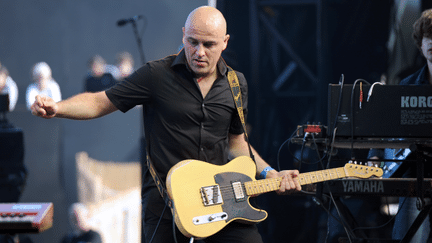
[313, 177]
[326, 175]
[319, 176]
[262, 186]
[340, 172]
[332, 173]
[273, 184]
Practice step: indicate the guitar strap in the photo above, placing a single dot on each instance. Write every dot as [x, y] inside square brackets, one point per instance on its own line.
[159, 183]
[236, 92]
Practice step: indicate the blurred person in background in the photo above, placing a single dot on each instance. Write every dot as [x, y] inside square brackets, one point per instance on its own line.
[81, 226]
[125, 65]
[43, 84]
[8, 86]
[98, 79]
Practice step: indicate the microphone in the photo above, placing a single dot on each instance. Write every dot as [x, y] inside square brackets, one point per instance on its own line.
[122, 22]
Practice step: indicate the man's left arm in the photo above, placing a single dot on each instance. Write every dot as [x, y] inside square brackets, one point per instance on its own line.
[239, 147]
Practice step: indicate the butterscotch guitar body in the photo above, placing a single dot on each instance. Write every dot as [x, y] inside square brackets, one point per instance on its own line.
[207, 197]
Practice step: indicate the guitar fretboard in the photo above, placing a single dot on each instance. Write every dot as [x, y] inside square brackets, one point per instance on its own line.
[273, 184]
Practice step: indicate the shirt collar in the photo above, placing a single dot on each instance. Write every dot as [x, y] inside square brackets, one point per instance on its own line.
[422, 77]
[181, 60]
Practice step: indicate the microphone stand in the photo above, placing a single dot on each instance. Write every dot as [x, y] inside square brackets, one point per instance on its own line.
[138, 39]
[143, 143]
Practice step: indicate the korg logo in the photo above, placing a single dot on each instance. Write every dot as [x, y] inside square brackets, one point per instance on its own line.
[416, 101]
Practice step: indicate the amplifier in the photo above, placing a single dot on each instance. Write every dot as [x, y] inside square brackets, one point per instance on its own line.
[395, 111]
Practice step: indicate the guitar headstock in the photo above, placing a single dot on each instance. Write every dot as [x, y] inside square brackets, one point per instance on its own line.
[362, 171]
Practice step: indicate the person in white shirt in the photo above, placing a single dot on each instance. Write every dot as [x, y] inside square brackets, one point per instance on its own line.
[43, 84]
[8, 86]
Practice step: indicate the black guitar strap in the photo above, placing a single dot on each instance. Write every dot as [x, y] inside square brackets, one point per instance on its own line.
[236, 92]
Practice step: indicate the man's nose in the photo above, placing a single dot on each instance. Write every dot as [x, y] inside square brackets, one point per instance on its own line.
[200, 50]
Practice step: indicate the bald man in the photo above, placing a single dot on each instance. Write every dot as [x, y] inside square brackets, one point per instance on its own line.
[189, 113]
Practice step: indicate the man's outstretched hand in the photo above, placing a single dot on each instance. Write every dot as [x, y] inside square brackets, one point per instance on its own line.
[44, 107]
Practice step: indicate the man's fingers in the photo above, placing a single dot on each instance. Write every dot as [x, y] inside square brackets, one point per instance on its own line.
[41, 107]
[289, 184]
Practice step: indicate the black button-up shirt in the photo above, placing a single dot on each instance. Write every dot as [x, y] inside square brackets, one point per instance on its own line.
[179, 123]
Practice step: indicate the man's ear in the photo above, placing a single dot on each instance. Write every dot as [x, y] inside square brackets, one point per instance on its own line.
[226, 38]
[183, 38]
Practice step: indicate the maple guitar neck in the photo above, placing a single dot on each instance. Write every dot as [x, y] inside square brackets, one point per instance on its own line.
[273, 184]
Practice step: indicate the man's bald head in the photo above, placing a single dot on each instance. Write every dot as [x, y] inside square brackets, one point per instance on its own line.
[204, 39]
[206, 19]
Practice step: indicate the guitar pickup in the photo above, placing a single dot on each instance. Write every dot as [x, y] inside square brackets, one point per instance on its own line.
[238, 191]
[211, 195]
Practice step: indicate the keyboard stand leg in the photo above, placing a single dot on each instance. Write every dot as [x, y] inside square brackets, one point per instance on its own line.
[416, 224]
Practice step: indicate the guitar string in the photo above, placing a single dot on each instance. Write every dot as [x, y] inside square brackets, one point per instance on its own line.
[308, 177]
[228, 191]
[259, 187]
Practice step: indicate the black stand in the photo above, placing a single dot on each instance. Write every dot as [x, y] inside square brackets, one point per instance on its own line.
[143, 145]
[138, 39]
[141, 51]
[423, 204]
[12, 170]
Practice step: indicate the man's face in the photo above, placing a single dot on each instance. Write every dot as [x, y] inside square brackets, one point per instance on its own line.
[426, 48]
[98, 69]
[203, 49]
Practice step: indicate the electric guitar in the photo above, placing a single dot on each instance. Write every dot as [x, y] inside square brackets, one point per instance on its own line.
[208, 197]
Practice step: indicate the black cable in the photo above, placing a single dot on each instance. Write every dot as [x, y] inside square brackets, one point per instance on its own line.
[341, 83]
[349, 234]
[280, 148]
[331, 196]
[301, 150]
[385, 224]
[352, 113]
[173, 224]
[157, 225]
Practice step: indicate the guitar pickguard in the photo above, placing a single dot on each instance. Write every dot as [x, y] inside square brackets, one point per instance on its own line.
[234, 197]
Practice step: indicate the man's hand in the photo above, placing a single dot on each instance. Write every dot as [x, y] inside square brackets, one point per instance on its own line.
[289, 183]
[44, 106]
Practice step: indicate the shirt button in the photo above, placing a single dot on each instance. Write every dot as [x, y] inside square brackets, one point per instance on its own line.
[202, 149]
[202, 105]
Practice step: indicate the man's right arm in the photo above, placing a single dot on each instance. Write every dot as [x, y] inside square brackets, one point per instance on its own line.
[83, 106]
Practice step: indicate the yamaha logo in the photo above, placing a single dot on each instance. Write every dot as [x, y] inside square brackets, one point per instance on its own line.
[363, 186]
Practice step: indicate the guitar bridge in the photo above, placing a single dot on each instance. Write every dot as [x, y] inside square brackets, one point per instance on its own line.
[211, 195]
